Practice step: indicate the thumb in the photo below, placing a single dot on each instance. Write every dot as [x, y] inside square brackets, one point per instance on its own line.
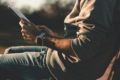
[24, 21]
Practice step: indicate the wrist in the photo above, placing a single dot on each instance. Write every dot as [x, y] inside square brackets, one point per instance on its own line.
[48, 42]
[39, 39]
[44, 40]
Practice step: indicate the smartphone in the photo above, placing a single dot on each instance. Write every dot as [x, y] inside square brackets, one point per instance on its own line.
[22, 16]
[19, 13]
[31, 26]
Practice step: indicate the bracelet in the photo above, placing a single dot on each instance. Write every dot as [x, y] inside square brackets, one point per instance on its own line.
[40, 39]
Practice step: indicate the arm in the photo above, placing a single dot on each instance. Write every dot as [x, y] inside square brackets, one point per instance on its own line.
[63, 45]
[57, 43]
[72, 15]
[53, 40]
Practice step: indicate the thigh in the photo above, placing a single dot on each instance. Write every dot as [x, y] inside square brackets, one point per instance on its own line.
[28, 65]
[21, 49]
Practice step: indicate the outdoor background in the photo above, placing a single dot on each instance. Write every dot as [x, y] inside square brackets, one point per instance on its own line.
[52, 15]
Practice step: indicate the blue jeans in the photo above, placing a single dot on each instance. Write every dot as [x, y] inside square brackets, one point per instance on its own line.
[24, 63]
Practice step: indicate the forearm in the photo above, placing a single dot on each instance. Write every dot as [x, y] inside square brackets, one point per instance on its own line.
[57, 43]
[60, 44]
[63, 45]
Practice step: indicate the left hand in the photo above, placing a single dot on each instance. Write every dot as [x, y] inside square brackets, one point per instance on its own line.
[30, 31]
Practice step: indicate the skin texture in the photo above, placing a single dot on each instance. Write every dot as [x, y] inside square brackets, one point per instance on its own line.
[52, 40]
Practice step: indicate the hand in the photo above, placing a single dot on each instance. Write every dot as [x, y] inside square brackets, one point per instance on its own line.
[44, 29]
[30, 31]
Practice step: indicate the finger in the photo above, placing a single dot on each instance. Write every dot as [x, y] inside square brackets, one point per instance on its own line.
[28, 35]
[27, 28]
[22, 25]
[24, 21]
[41, 28]
[24, 31]
[24, 35]
[28, 39]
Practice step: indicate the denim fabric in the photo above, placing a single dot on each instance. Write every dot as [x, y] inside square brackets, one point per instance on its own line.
[21, 49]
[27, 65]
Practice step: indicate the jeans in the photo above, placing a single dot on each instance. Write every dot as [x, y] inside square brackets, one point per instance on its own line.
[24, 63]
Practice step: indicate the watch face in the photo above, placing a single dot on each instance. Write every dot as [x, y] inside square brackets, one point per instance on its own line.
[39, 41]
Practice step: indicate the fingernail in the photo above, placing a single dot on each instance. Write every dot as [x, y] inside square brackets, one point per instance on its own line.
[23, 21]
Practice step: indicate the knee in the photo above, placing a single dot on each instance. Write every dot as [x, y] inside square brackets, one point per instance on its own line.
[7, 50]
[12, 49]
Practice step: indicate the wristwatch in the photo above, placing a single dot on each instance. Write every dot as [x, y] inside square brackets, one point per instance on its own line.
[40, 39]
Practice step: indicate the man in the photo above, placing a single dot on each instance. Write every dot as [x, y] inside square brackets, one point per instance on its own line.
[83, 54]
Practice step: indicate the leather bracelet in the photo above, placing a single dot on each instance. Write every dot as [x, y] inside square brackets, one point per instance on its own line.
[40, 39]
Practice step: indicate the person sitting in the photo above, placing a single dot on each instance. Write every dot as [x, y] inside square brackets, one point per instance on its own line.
[85, 51]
